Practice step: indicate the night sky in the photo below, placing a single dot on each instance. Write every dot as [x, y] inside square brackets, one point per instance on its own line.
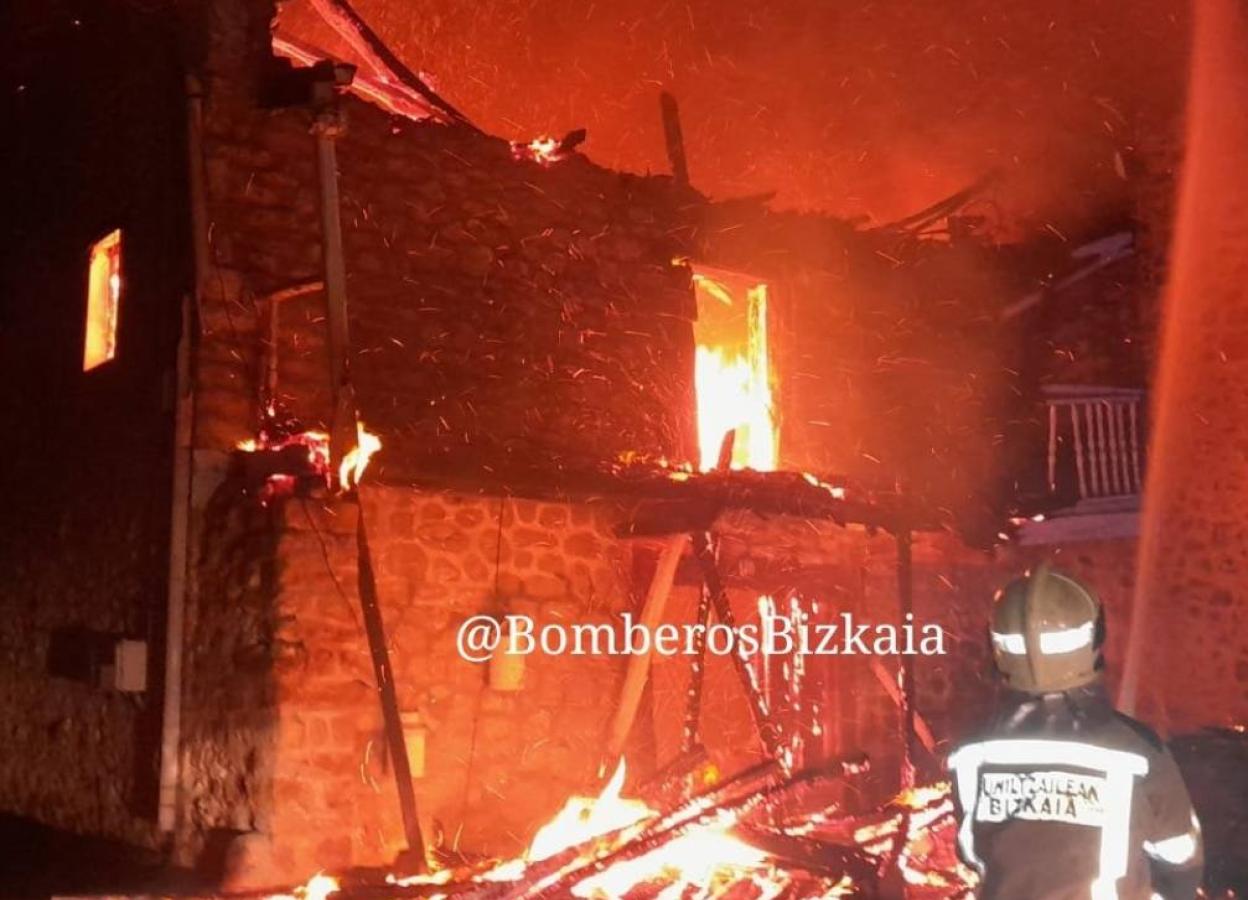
[864, 108]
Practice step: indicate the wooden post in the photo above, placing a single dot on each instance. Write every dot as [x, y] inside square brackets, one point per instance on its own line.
[675, 138]
[392, 720]
[905, 593]
[639, 663]
[768, 733]
[697, 674]
[327, 127]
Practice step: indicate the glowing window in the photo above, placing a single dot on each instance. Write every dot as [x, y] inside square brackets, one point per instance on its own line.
[103, 298]
[732, 375]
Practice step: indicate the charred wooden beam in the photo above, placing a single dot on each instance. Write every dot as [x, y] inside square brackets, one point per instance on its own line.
[697, 673]
[676, 781]
[820, 858]
[666, 830]
[639, 663]
[768, 733]
[351, 27]
[697, 668]
[905, 593]
[327, 127]
[674, 138]
[396, 743]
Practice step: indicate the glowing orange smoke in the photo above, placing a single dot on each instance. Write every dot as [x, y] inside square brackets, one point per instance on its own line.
[732, 375]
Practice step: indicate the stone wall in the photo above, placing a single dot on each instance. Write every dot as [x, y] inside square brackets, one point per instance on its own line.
[96, 145]
[284, 734]
[504, 312]
[1193, 639]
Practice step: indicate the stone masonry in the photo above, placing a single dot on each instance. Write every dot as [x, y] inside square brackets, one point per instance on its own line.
[293, 748]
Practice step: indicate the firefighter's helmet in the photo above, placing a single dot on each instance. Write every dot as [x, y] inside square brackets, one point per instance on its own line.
[1047, 632]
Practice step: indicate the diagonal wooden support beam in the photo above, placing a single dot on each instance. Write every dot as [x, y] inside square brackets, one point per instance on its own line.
[768, 733]
[396, 742]
[639, 663]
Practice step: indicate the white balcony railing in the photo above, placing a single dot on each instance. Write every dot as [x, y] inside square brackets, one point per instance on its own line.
[1096, 439]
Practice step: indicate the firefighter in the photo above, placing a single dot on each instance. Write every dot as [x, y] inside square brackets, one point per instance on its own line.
[1062, 797]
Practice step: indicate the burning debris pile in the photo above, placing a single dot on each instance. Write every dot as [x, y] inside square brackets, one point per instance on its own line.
[759, 834]
[283, 455]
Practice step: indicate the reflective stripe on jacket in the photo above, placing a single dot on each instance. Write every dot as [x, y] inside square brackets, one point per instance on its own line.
[1063, 798]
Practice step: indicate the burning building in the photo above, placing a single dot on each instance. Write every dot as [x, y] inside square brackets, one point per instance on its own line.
[399, 373]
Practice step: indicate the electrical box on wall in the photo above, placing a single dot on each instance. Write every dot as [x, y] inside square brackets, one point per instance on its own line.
[129, 669]
[104, 660]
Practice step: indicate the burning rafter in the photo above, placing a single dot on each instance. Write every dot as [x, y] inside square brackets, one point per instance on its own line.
[387, 67]
[740, 838]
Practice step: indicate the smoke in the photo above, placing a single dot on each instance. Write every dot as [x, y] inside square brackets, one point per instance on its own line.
[873, 108]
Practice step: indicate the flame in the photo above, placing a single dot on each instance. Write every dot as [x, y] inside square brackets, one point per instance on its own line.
[585, 818]
[544, 150]
[319, 887]
[350, 469]
[837, 493]
[353, 464]
[708, 860]
[732, 376]
[103, 301]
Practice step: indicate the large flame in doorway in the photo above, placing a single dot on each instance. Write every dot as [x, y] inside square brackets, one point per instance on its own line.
[732, 374]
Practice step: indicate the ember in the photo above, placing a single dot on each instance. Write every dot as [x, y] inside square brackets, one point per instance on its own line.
[545, 150]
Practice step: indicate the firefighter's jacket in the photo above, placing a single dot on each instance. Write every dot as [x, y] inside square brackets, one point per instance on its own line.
[1063, 798]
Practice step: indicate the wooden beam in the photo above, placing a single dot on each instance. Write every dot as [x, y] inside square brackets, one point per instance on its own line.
[768, 733]
[396, 741]
[674, 137]
[351, 27]
[639, 663]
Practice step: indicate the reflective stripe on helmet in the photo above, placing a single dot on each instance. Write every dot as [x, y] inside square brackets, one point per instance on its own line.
[1118, 766]
[1051, 642]
[1009, 643]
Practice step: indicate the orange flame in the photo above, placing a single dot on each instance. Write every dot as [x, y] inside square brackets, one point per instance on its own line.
[732, 376]
[702, 858]
[709, 860]
[585, 818]
[544, 150]
[316, 443]
[353, 464]
[318, 887]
